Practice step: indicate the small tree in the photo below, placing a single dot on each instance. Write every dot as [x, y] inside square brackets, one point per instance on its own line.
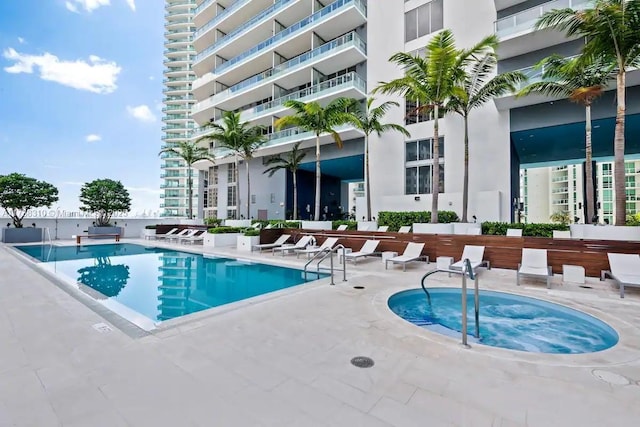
[292, 163]
[104, 197]
[19, 193]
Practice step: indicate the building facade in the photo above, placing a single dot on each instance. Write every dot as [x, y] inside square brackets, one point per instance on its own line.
[177, 102]
[253, 55]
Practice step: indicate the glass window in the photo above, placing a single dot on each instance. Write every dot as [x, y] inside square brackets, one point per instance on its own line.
[424, 180]
[424, 149]
[424, 21]
[231, 196]
[411, 181]
[410, 25]
[437, 15]
[231, 173]
[411, 154]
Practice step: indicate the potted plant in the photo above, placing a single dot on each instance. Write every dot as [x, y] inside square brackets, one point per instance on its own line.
[250, 238]
[222, 236]
[18, 194]
[104, 197]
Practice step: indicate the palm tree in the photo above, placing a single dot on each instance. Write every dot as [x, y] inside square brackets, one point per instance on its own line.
[479, 86]
[610, 29]
[189, 152]
[291, 163]
[242, 140]
[581, 83]
[312, 117]
[430, 80]
[367, 119]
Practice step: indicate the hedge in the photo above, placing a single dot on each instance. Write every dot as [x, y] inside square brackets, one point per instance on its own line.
[252, 232]
[226, 230]
[531, 230]
[395, 220]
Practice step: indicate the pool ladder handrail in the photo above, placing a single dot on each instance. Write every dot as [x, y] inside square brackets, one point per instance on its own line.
[323, 255]
[464, 272]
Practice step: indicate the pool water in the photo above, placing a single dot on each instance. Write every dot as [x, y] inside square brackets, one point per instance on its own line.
[508, 321]
[161, 284]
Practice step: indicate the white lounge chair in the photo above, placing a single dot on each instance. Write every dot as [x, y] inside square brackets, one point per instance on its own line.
[534, 264]
[474, 254]
[300, 244]
[184, 233]
[405, 229]
[198, 236]
[268, 227]
[279, 242]
[383, 228]
[514, 232]
[413, 252]
[557, 234]
[625, 270]
[342, 227]
[171, 232]
[326, 246]
[368, 249]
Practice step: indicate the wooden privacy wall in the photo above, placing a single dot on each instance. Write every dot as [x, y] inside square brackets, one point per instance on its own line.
[501, 251]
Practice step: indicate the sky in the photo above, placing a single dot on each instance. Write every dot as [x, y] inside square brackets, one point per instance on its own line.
[80, 95]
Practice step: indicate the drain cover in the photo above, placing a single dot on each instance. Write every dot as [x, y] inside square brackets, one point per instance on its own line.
[586, 287]
[610, 377]
[103, 328]
[358, 287]
[362, 362]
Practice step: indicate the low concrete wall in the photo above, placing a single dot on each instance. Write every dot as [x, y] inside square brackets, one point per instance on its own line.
[606, 232]
[237, 222]
[317, 225]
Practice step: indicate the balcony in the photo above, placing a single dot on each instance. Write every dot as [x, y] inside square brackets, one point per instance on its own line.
[503, 4]
[518, 36]
[344, 52]
[343, 15]
[350, 85]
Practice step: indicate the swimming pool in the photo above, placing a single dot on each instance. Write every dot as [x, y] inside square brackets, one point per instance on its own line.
[149, 285]
[506, 320]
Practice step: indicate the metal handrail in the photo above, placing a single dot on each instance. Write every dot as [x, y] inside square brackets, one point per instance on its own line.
[466, 270]
[323, 255]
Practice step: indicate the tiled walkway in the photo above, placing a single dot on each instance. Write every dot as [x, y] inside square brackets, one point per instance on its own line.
[285, 362]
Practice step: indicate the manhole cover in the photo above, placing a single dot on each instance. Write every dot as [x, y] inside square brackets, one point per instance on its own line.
[610, 377]
[362, 362]
[358, 287]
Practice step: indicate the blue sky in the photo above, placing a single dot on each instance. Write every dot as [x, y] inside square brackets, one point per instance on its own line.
[80, 94]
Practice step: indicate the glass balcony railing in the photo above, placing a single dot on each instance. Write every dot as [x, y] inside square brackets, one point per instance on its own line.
[179, 50]
[173, 175]
[176, 69]
[219, 17]
[175, 107]
[185, 30]
[177, 22]
[344, 42]
[179, 79]
[526, 19]
[178, 59]
[238, 31]
[351, 79]
[321, 15]
[176, 88]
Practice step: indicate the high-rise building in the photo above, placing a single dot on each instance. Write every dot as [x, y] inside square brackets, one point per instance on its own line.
[177, 101]
[253, 55]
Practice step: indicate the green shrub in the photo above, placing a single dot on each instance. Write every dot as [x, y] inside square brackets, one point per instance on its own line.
[150, 227]
[212, 222]
[530, 230]
[351, 225]
[395, 220]
[252, 232]
[633, 220]
[225, 230]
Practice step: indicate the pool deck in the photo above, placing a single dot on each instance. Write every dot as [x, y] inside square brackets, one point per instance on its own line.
[284, 359]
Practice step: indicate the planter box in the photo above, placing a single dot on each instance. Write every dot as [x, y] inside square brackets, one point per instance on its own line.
[220, 240]
[245, 243]
[317, 225]
[106, 230]
[428, 228]
[367, 225]
[21, 235]
[237, 223]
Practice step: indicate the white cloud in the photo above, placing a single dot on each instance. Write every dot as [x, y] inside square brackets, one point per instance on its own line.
[142, 113]
[87, 5]
[97, 75]
[151, 78]
[131, 4]
[21, 40]
[93, 138]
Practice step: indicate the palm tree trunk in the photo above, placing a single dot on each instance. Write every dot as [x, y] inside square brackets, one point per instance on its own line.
[435, 171]
[618, 169]
[588, 169]
[237, 177]
[189, 194]
[246, 162]
[367, 182]
[465, 182]
[316, 211]
[295, 196]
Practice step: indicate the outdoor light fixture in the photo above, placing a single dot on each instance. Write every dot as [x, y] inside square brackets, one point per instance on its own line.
[416, 198]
